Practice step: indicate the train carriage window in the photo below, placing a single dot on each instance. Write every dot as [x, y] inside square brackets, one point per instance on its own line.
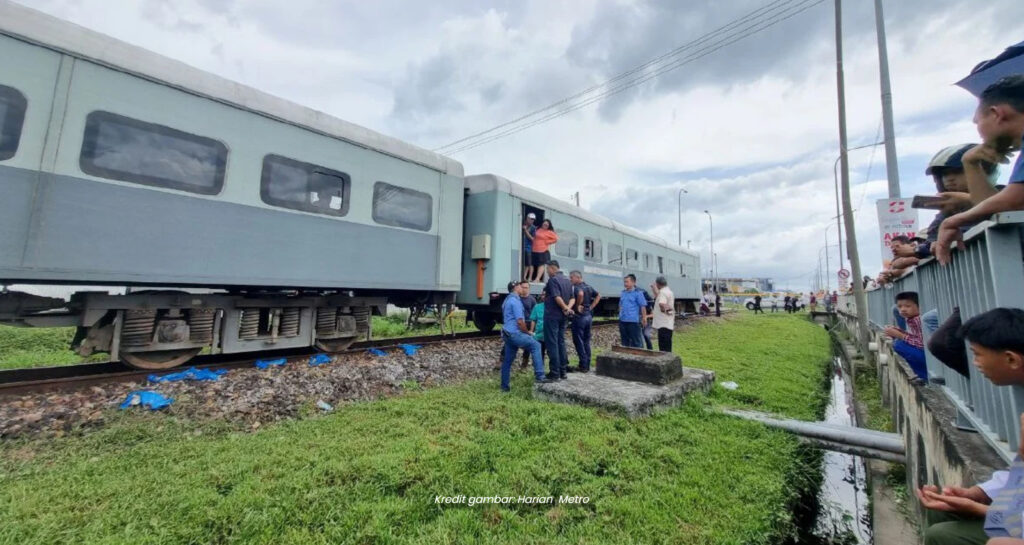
[304, 186]
[648, 262]
[568, 244]
[592, 249]
[615, 254]
[12, 116]
[402, 207]
[122, 148]
[661, 265]
[632, 258]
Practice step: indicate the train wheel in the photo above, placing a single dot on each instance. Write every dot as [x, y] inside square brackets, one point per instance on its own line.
[335, 345]
[484, 321]
[159, 359]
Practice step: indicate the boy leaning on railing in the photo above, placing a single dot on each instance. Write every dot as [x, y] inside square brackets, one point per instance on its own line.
[990, 512]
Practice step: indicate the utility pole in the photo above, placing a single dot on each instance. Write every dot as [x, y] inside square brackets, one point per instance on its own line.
[851, 233]
[576, 197]
[891, 165]
[679, 216]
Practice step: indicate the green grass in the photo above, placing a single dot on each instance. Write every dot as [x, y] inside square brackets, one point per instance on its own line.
[369, 472]
[38, 347]
[394, 326]
[779, 361]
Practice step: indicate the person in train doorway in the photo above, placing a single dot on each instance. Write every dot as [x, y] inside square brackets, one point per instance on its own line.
[516, 335]
[648, 329]
[587, 300]
[558, 305]
[664, 321]
[529, 231]
[632, 314]
[543, 239]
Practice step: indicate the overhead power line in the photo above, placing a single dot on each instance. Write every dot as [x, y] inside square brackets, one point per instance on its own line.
[739, 29]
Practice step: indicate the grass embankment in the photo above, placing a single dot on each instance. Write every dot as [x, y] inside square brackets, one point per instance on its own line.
[35, 347]
[22, 347]
[369, 472]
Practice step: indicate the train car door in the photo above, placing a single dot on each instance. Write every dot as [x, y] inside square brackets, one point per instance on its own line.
[539, 213]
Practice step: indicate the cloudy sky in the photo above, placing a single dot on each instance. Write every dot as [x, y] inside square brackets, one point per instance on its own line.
[749, 130]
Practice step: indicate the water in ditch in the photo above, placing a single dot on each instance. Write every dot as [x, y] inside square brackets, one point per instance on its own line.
[844, 514]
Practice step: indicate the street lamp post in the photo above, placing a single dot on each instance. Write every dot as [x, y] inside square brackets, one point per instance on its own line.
[679, 214]
[711, 225]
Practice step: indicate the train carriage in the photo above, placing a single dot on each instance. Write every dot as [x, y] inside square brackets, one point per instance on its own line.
[119, 166]
[603, 250]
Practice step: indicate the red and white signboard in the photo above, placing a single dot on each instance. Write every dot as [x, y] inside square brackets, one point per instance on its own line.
[844, 274]
[895, 218]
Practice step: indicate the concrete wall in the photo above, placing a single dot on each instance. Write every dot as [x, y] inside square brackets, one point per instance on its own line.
[937, 451]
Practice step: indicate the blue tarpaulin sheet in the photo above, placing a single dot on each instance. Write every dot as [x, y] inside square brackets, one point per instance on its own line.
[319, 359]
[147, 398]
[377, 352]
[189, 374]
[410, 349]
[263, 364]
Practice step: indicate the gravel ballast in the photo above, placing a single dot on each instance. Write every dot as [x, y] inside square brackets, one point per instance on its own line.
[251, 398]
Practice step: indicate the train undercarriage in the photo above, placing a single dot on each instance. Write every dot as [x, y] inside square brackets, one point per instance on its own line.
[160, 329]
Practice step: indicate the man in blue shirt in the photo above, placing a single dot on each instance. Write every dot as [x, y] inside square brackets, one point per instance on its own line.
[1000, 121]
[516, 335]
[632, 313]
[557, 308]
[586, 299]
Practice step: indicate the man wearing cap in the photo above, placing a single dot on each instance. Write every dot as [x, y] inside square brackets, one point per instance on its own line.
[529, 231]
[558, 307]
[516, 334]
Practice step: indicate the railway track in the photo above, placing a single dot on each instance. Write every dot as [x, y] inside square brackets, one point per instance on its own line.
[46, 379]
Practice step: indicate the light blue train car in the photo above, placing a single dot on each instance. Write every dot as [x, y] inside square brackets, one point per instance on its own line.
[603, 250]
[119, 166]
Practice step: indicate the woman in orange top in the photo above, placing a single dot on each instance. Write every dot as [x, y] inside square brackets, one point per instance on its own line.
[543, 239]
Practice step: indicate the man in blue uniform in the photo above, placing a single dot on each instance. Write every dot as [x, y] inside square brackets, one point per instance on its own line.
[557, 308]
[632, 313]
[516, 335]
[528, 303]
[587, 299]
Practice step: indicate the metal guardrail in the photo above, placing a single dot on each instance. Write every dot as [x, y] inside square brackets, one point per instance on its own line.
[987, 272]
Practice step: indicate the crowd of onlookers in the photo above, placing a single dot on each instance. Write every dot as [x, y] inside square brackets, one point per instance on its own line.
[965, 176]
[990, 512]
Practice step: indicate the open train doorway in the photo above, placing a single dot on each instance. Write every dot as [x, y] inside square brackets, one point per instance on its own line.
[526, 265]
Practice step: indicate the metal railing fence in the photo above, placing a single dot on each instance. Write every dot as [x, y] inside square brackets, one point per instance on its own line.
[986, 273]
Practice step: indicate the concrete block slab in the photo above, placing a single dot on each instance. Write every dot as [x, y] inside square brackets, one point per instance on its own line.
[635, 399]
[640, 365]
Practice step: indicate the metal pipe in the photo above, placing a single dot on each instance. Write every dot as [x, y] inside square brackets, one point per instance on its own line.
[845, 435]
[857, 451]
